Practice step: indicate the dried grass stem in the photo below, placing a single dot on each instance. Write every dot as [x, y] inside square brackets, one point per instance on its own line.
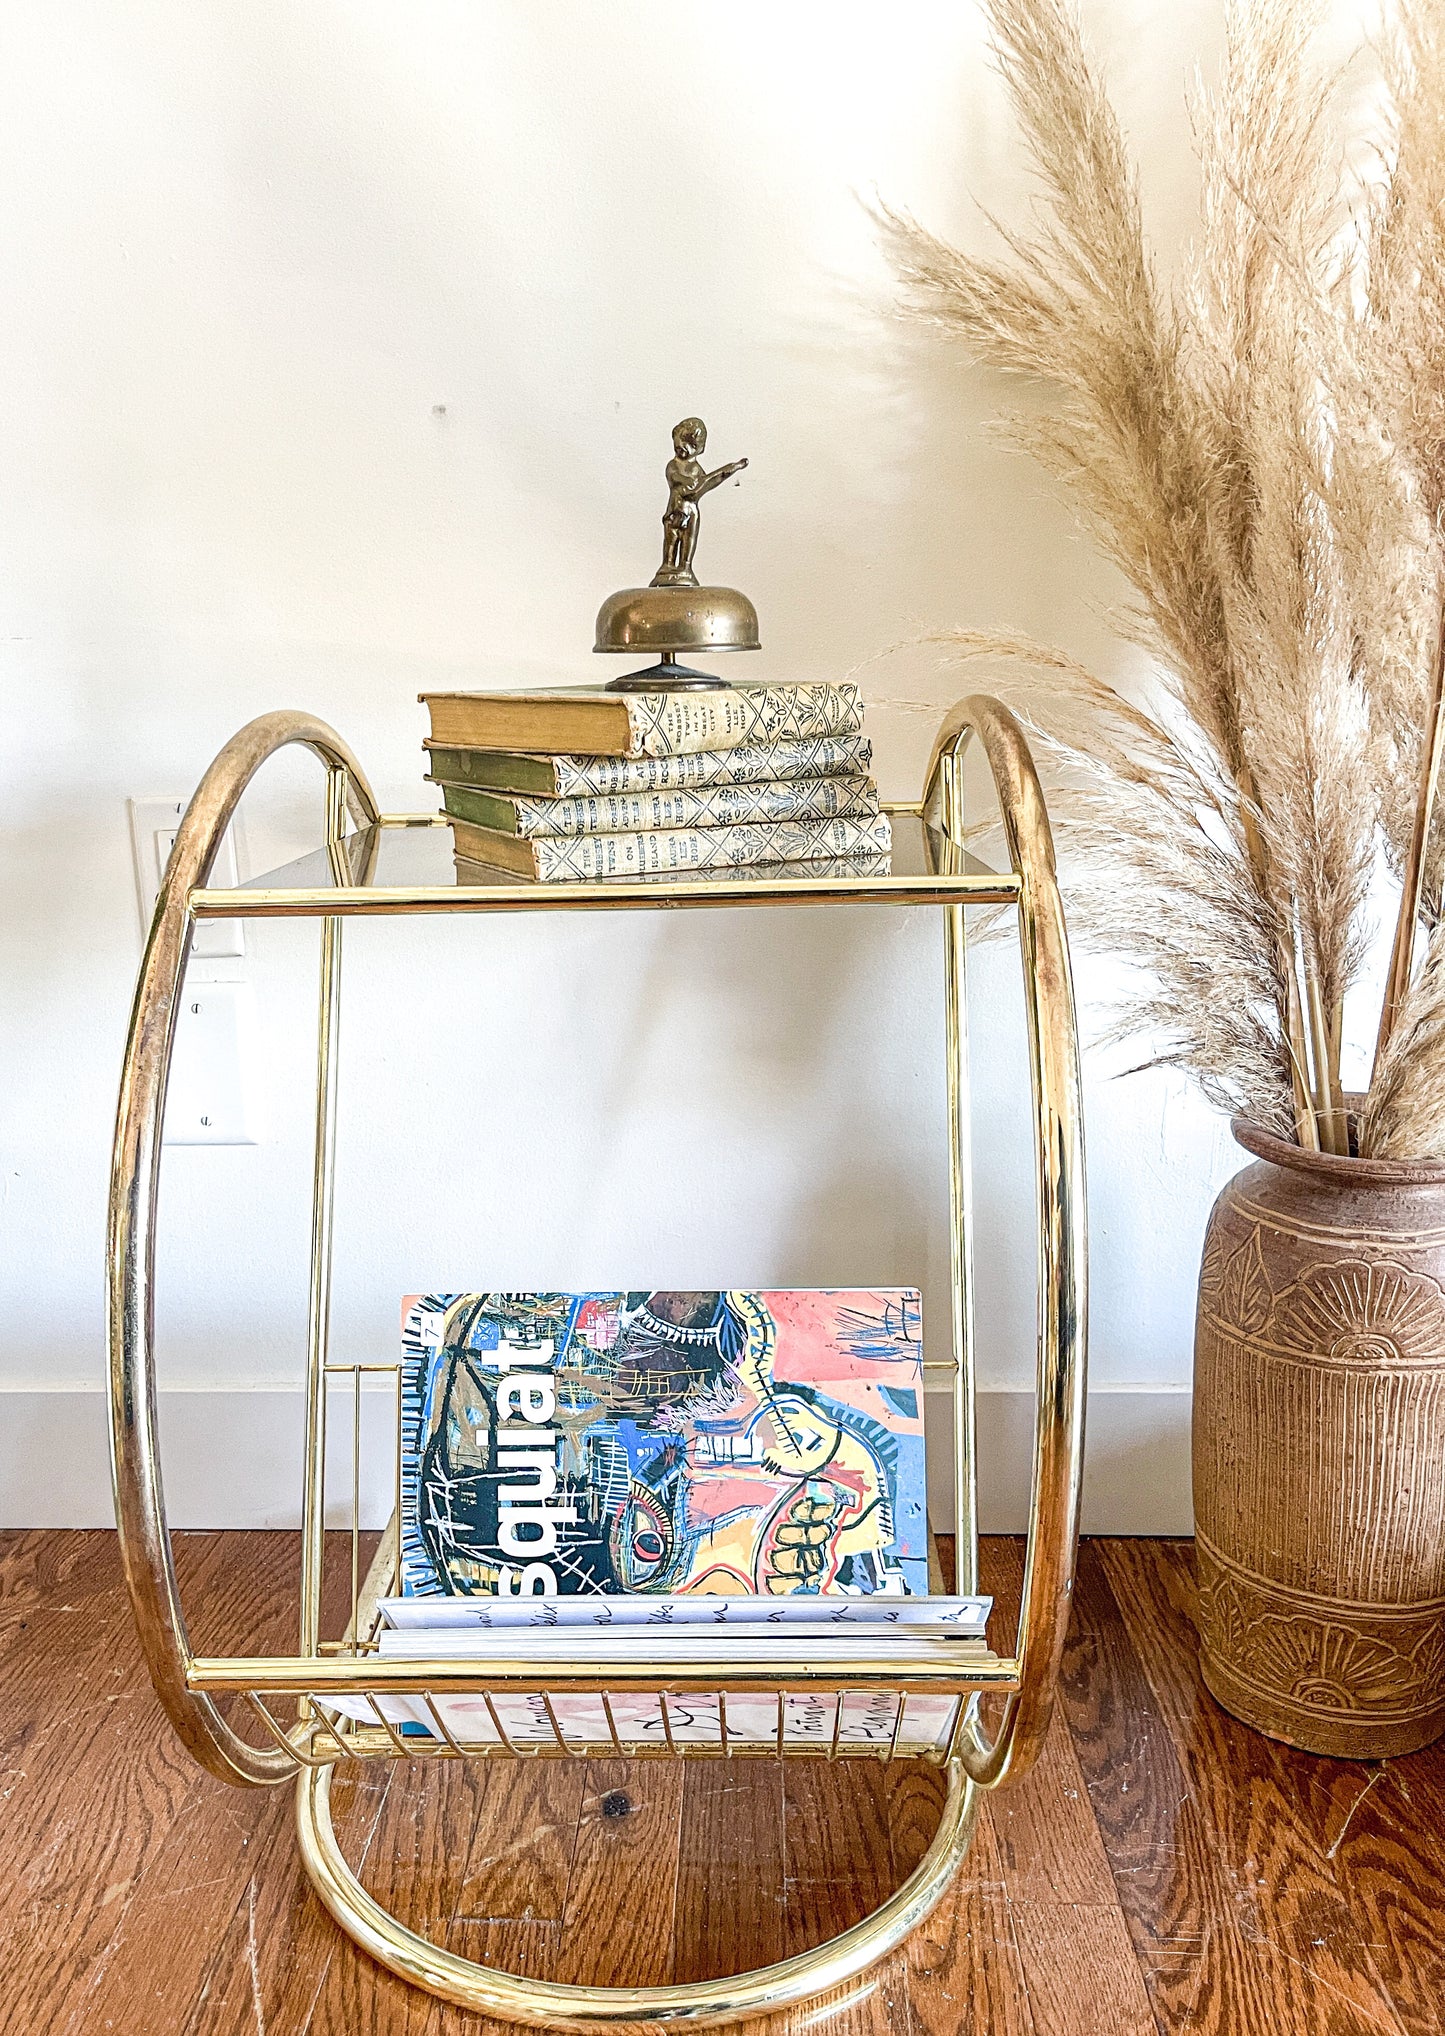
[1260, 447]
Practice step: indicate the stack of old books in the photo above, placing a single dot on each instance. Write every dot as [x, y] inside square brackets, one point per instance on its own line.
[583, 783]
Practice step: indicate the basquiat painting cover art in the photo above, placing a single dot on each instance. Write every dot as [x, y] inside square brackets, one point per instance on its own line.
[767, 1443]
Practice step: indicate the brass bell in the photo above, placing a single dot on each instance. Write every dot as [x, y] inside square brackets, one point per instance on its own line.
[675, 613]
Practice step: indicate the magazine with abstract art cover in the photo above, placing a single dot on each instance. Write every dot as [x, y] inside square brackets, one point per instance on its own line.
[754, 1443]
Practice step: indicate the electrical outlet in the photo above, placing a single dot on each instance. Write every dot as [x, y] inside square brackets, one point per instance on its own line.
[211, 1098]
[153, 826]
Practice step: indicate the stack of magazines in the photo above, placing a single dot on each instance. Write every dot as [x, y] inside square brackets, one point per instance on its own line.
[613, 1478]
[598, 1632]
[584, 783]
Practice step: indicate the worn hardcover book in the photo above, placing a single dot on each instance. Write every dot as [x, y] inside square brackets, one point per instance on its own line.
[818, 869]
[761, 1444]
[644, 812]
[596, 723]
[584, 856]
[568, 777]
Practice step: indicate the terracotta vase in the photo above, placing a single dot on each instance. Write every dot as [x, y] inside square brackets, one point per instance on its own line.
[1319, 1450]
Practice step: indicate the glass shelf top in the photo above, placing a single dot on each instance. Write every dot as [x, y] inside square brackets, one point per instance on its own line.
[408, 863]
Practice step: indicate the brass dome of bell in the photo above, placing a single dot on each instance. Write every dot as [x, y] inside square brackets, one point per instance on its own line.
[675, 613]
[677, 618]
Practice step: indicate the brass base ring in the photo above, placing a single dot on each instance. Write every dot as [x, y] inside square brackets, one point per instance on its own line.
[546, 2005]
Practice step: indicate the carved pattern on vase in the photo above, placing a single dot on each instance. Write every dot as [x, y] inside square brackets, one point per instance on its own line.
[1361, 1312]
[1320, 1464]
[1346, 1663]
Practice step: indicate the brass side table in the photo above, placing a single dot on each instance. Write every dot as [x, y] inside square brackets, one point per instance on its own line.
[235, 1713]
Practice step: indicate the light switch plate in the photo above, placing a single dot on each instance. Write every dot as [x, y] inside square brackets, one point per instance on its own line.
[212, 1096]
[153, 824]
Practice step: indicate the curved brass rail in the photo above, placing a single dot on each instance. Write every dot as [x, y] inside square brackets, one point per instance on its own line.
[702, 2003]
[1062, 1242]
[135, 1175]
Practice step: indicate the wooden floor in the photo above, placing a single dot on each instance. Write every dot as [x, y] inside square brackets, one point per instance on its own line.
[1162, 1869]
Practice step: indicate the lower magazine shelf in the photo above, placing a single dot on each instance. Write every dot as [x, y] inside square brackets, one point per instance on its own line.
[909, 1698]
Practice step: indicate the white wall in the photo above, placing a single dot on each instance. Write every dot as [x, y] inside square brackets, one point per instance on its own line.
[339, 352]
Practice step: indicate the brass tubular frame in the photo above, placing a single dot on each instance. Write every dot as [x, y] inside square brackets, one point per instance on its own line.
[1062, 1224]
[701, 2004]
[190, 1687]
[323, 1205]
[943, 1667]
[373, 1742]
[130, 1259]
[960, 1198]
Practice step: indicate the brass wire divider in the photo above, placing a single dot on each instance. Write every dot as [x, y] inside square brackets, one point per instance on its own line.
[397, 865]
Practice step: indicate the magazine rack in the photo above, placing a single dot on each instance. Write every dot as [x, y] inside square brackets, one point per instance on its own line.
[234, 1713]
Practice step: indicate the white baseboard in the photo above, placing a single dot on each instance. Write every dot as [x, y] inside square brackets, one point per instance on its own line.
[232, 1458]
[1136, 1461]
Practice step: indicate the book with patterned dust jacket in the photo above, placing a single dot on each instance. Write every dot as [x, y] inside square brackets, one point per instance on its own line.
[761, 1444]
[597, 723]
[817, 869]
[568, 777]
[650, 812]
[578, 858]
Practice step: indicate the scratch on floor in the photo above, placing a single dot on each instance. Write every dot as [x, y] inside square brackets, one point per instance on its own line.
[1340, 1835]
[251, 1959]
[518, 1845]
[1383, 2019]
